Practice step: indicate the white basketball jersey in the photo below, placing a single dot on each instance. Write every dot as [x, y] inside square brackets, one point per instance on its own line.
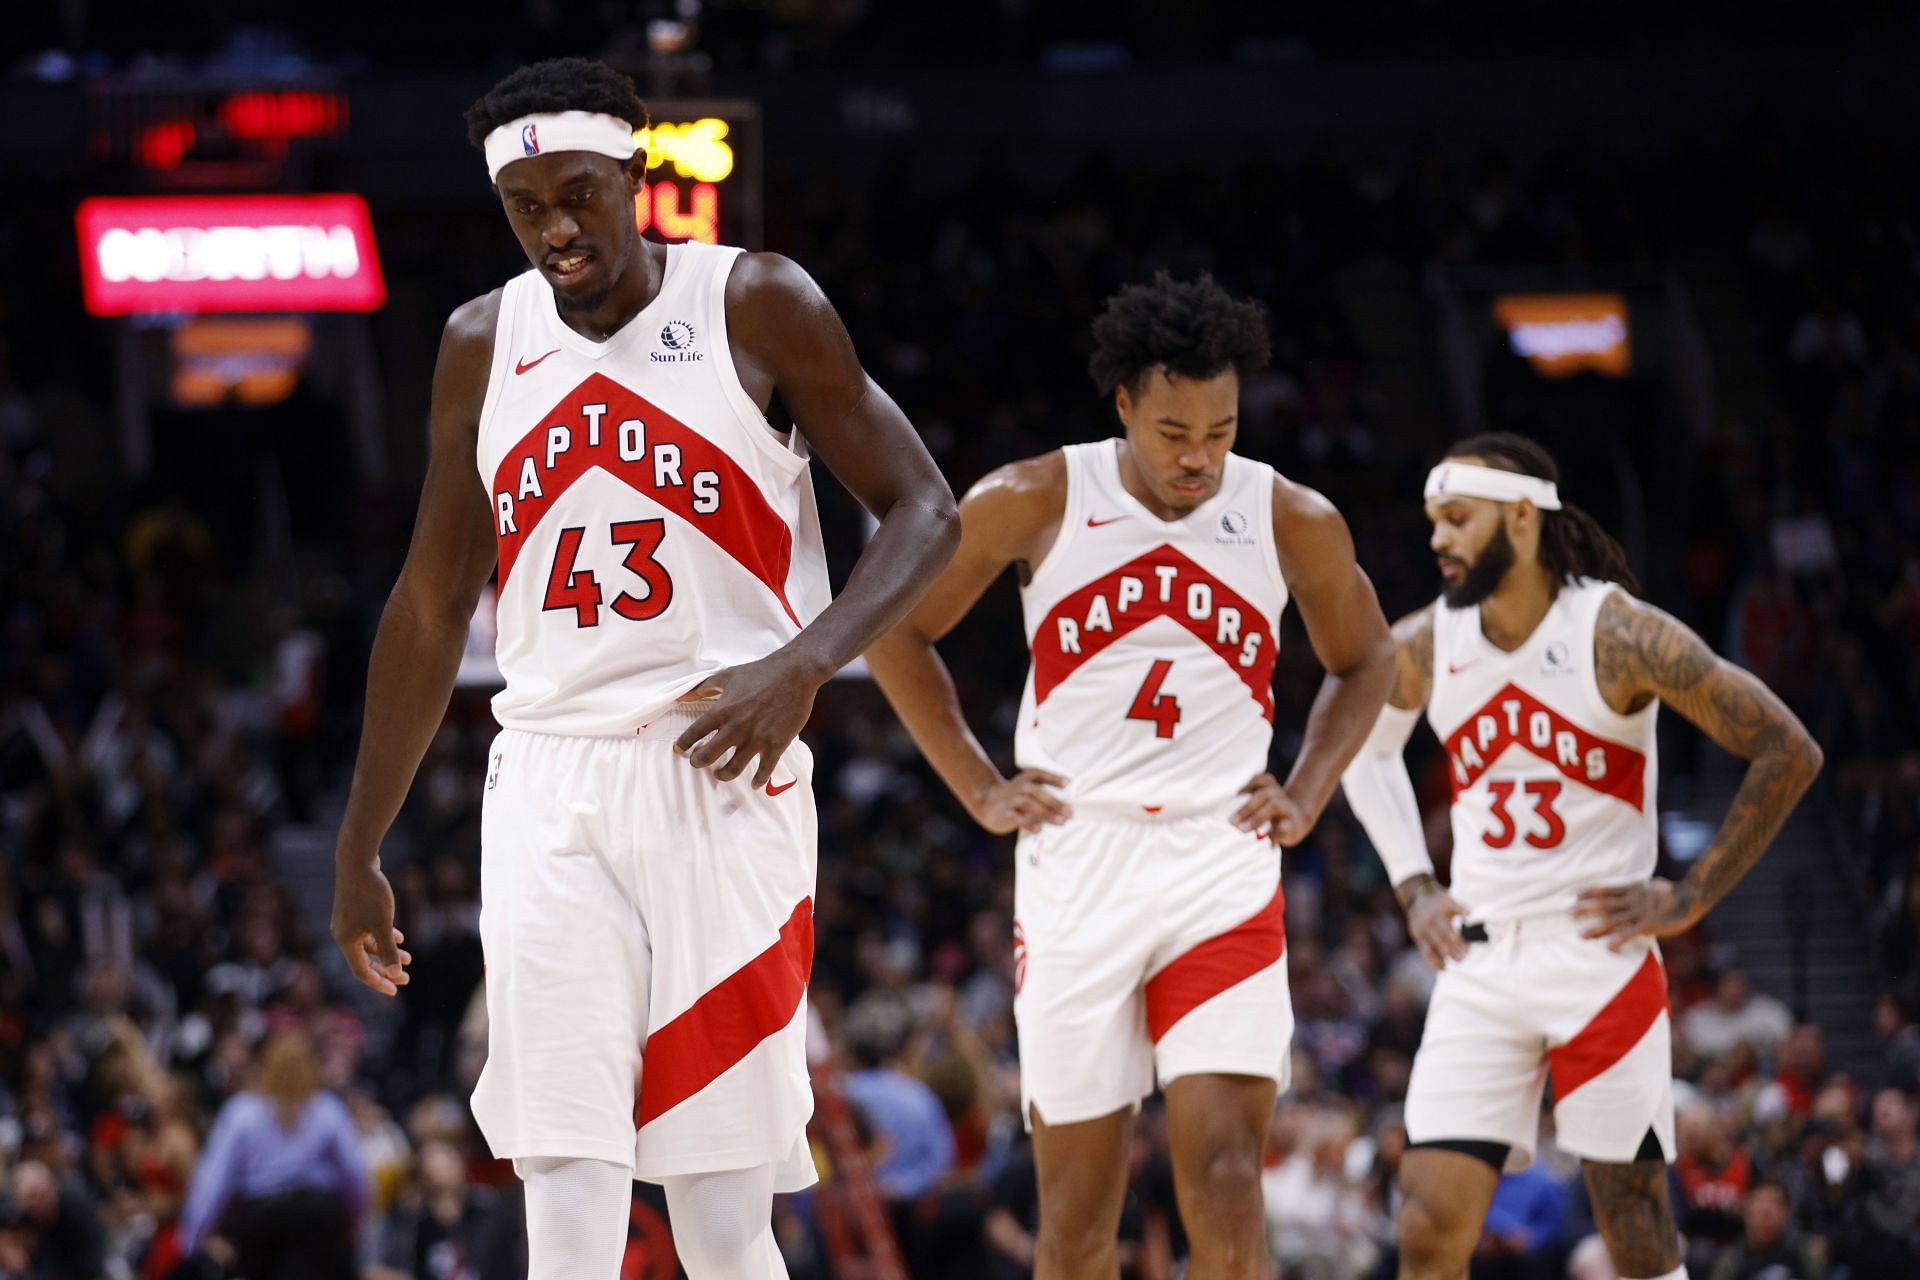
[1153, 642]
[652, 528]
[1553, 790]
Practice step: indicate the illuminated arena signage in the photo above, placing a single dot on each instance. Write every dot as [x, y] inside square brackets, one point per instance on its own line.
[204, 254]
[1561, 334]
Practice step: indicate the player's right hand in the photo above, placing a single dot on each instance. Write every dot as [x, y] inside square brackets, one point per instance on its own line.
[363, 927]
[1433, 921]
[1023, 801]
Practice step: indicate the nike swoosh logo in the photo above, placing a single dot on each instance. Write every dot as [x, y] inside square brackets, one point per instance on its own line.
[1095, 524]
[523, 364]
[1454, 671]
[774, 791]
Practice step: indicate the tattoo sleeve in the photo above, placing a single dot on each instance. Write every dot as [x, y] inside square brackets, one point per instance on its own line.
[1634, 1212]
[1412, 661]
[1641, 653]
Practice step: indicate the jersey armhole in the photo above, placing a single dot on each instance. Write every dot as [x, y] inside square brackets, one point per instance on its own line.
[1266, 480]
[504, 325]
[1070, 510]
[790, 459]
[1438, 660]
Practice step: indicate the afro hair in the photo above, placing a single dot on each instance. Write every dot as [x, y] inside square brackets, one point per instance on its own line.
[1191, 328]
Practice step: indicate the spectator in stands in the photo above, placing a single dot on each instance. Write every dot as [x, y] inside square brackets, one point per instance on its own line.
[1887, 1241]
[1801, 1064]
[1321, 1223]
[1896, 1022]
[1714, 1173]
[1736, 1014]
[282, 1178]
[1521, 1239]
[445, 1228]
[1769, 1249]
[913, 1142]
[55, 1227]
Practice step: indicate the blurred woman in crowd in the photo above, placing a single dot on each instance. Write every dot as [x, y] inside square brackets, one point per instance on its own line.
[282, 1176]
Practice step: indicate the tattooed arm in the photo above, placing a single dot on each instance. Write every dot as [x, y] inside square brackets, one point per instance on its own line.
[1640, 654]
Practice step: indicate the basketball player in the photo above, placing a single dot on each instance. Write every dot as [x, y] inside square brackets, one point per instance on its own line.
[647, 847]
[1153, 570]
[1542, 675]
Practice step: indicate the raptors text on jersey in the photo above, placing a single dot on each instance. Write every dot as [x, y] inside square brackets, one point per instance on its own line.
[1553, 790]
[652, 528]
[1153, 643]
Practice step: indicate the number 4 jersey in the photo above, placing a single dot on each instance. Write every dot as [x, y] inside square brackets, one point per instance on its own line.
[1553, 790]
[1153, 643]
[652, 528]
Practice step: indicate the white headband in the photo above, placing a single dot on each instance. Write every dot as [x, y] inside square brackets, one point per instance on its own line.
[536, 135]
[1466, 480]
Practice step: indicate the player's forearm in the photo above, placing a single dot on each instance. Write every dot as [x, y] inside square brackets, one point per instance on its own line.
[1774, 783]
[913, 544]
[1344, 712]
[410, 677]
[916, 681]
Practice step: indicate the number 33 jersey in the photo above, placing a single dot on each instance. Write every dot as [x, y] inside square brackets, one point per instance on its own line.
[1553, 790]
[652, 528]
[1153, 643]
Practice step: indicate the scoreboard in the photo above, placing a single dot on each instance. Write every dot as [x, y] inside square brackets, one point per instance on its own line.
[703, 172]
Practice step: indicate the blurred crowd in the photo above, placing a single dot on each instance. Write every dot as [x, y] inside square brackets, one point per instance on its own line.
[187, 1079]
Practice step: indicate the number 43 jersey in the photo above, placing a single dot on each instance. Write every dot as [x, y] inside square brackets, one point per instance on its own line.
[652, 528]
[1553, 790]
[1153, 642]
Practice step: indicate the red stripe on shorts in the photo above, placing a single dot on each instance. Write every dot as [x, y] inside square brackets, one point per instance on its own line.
[1612, 1032]
[1203, 971]
[725, 1023]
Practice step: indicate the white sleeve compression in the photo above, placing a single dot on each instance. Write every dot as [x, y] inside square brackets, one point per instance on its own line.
[1380, 793]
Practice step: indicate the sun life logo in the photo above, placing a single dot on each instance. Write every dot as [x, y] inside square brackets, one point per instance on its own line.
[1558, 658]
[677, 337]
[1234, 525]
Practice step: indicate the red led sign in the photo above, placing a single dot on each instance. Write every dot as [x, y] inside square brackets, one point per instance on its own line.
[228, 253]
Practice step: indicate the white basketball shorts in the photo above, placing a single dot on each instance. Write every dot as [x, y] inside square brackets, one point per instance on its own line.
[1534, 1002]
[649, 935]
[1144, 947]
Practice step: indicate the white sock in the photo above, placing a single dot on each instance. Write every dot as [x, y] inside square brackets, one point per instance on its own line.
[577, 1215]
[723, 1224]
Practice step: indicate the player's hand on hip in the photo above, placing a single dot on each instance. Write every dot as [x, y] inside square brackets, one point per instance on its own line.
[1433, 922]
[1268, 807]
[363, 927]
[1655, 908]
[757, 710]
[1025, 802]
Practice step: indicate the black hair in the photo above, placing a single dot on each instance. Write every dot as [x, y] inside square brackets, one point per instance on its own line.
[1191, 328]
[558, 84]
[1572, 543]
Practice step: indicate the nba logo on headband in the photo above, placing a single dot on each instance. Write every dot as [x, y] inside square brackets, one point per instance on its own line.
[536, 135]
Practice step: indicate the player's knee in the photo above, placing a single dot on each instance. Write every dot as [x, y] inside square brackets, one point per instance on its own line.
[1429, 1235]
[1073, 1243]
[728, 1250]
[1224, 1192]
